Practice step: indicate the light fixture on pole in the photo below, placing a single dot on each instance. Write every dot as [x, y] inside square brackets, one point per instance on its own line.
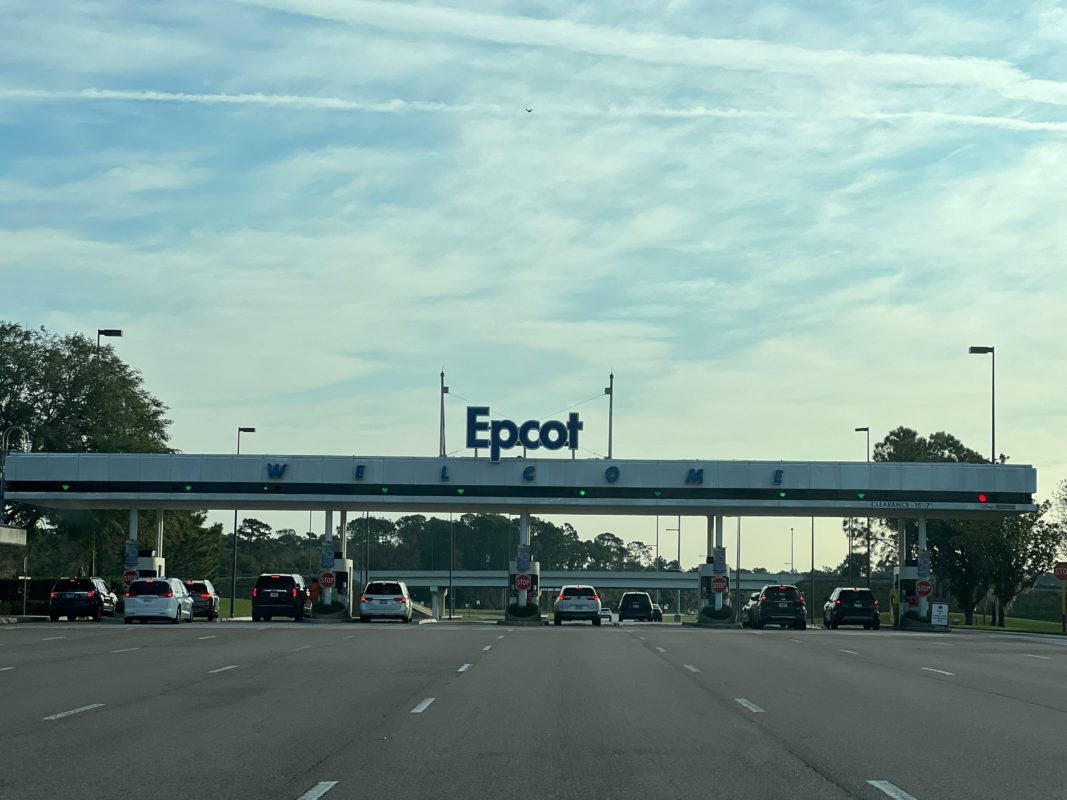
[106, 332]
[233, 577]
[991, 351]
[609, 390]
[791, 565]
[865, 429]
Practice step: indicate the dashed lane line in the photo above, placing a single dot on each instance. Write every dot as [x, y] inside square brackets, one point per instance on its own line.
[465, 667]
[850, 652]
[125, 650]
[5, 669]
[221, 669]
[662, 650]
[690, 667]
[425, 704]
[305, 647]
[487, 648]
[938, 671]
[500, 637]
[74, 711]
[53, 638]
[201, 638]
[755, 709]
[1034, 655]
[890, 790]
[318, 790]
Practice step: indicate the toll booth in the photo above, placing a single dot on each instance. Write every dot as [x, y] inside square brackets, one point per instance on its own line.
[149, 565]
[342, 571]
[533, 594]
[904, 580]
[707, 575]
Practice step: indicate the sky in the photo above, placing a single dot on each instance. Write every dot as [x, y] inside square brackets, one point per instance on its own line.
[773, 222]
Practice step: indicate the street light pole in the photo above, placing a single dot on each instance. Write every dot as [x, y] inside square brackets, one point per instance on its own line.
[444, 391]
[992, 396]
[233, 577]
[106, 332]
[3, 464]
[610, 392]
[791, 566]
[865, 429]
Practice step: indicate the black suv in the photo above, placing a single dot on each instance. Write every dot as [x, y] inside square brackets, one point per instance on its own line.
[779, 605]
[276, 595]
[636, 605]
[205, 599]
[81, 597]
[851, 606]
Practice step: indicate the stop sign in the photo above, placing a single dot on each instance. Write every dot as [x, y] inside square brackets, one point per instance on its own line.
[718, 584]
[1060, 570]
[327, 579]
[129, 576]
[923, 588]
[523, 582]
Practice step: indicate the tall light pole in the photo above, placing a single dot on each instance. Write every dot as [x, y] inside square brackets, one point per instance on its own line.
[865, 429]
[981, 351]
[791, 566]
[106, 332]
[233, 577]
[3, 463]
[444, 391]
[609, 390]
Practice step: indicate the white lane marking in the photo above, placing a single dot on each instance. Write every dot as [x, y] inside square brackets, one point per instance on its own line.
[201, 638]
[755, 709]
[939, 671]
[465, 667]
[886, 788]
[53, 638]
[642, 638]
[353, 636]
[796, 640]
[850, 652]
[1032, 655]
[942, 644]
[74, 711]
[487, 648]
[5, 669]
[305, 647]
[425, 704]
[690, 667]
[221, 669]
[499, 637]
[318, 790]
[124, 650]
[661, 649]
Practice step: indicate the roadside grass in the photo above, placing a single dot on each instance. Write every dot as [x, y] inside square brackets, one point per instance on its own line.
[242, 607]
[1014, 624]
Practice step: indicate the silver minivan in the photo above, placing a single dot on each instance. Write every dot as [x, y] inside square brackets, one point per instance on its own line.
[164, 599]
[385, 600]
[577, 602]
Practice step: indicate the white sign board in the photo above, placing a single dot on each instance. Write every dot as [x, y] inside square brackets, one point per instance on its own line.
[718, 561]
[10, 535]
[327, 559]
[939, 613]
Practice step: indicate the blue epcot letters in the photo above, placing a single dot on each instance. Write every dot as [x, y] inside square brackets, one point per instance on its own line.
[533, 435]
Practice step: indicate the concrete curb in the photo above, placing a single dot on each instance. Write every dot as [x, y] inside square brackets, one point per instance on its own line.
[20, 620]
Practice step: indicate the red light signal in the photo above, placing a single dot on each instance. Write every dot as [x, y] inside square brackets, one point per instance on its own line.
[981, 498]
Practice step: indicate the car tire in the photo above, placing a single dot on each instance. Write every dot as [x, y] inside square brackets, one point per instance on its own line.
[877, 625]
[72, 617]
[866, 626]
[758, 626]
[556, 620]
[266, 617]
[596, 621]
[96, 614]
[298, 616]
[54, 617]
[127, 620]
[177, 616]
[803, 626]
[833, 624]
[255, 617]
[364, 618]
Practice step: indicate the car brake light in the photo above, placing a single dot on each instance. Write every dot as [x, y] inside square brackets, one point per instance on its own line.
[167, 594]
[560, 596]
[51, 595]
[596, 597]
[876, 601]
[762, 598]
[129, 594]
[294, 591]
[254, 590]
[365, 599]
[781, 587]
[400, 599]
[275, 576]
[90, 594]
[802, 598]
[205, 595]
[837, 602]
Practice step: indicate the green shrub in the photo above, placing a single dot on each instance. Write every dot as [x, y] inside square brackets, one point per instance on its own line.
[724, 613]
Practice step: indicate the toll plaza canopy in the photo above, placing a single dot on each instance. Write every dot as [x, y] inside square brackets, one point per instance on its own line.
[587, 486]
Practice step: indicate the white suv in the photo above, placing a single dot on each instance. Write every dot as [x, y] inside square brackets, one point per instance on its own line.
[389, 599]
[158, 598]
[577, 602]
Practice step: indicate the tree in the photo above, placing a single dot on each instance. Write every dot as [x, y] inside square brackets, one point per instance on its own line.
[1025, 548]
[253, 530]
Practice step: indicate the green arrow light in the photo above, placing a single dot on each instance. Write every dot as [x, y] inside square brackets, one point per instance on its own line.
[862, 495]
[781, 494]
[581, 492]
[188, 488]
[460, 491]
[66, 486]
[658, 493]
[266, 488]
[385, 490]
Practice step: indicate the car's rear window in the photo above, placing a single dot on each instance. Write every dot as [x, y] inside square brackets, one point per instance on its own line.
[852, 595]
[197, 587]
[775, 593]
[636, 600]
[579, 591]
[384, 587]
[275, 582]
[73, 585]
[158, 588]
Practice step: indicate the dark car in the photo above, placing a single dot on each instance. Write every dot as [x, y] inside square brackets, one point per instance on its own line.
[779, 604]
[81, 597]
[280, 595]
[636, 605]
[747, 612]
[851, 606]
[205, 599]
[657, 612]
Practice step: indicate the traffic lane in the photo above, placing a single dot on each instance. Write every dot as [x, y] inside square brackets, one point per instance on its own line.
[1028, 671]
[243, 732]
[589, 713]
[925, 732]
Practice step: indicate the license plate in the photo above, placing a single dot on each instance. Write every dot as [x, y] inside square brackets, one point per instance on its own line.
[384, 602]
[782, 605]
[273, 594]
[858, 604]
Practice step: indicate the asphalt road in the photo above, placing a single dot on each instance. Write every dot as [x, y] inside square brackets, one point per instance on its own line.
[280, 710]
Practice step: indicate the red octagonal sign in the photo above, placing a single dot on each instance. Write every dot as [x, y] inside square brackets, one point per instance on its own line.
[1060, 570]
[129, 576]
[718, 584]
[523, 582]
[923, 588]
[327, 579]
